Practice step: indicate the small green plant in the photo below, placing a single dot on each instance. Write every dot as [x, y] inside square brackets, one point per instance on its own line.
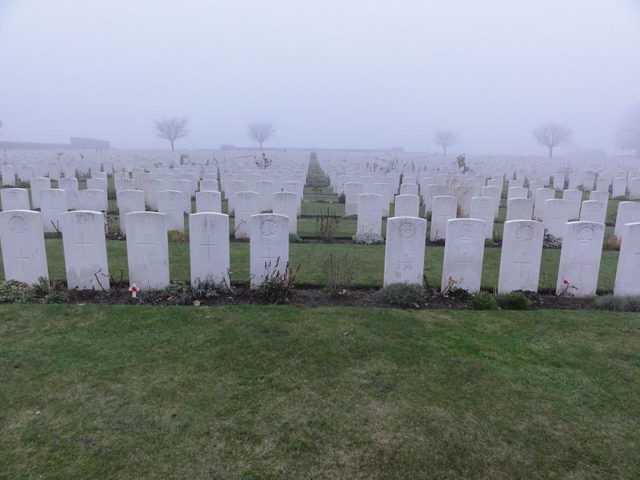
[112, 228]
[57, 294]
[617, 304]
[278, 287]
[483, 301]
[327, 226]
[566, 289]
[496, 237]
[293, 238]
[338, 273]
[405, 295]
[514, 301]
[342, 198]
[179, 293]
[367, 239]
[176, 236]
[13, 291]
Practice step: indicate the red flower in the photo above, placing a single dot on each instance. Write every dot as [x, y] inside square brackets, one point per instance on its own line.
[133, 288]
[565, 282]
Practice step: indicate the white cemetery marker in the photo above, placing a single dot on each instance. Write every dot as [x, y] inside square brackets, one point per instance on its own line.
[574, 197]
[95, 200]
[351, 192]
[404, 250]
[519, 209]
[286, 203]
[483, 208]
[97, 184]
[269, 246]
[369, 214]
[22, 242]
[85, 250]
[54, 203]
[444, 208]
[70, 185]
[209, 185]
[556, 215]
[629, 262]
[38, 184]
[208, 201]
[521, 255]
[407, 206]
[593, 211]
[15, 199]
[129, 201]
[171, 203]
[463, 254]
[246, 204]
[541, 195]
[580, 259]
[628, 212]
[147, 250]
[209, 248]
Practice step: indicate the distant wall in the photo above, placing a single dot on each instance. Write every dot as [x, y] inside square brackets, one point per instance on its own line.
[77, 143]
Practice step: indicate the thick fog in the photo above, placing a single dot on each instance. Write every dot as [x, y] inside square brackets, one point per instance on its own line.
[330, 73]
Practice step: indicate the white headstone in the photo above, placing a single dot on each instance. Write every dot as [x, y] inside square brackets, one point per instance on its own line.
[37, 185]
[404, 250]
[580, 259]
[519, 209]
[208, 201]
[555, 216]
[369, 214]
[463, 254]
[22, 243]
[540, 196]
[246, 205]
[129, 201]
[269, 246]
[351, 192]
[407, 206]
[629, 262]
[286, 203]
[444, 208]
[147, 250]
[574, 197]
[593, 211]
[628, 212]
[171, 203]
[14, 199]
[209, 248]
[95, 200]
[85, 250]
[520, 256]
[70, 185]
[483, 208]
[54, 203]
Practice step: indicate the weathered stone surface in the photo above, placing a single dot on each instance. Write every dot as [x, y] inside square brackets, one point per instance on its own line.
[520, 256]
[209, 248]
[580, 259]
[22, 243]
[404, 250]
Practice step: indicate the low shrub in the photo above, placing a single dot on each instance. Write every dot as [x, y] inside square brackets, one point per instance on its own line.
[514, 301]
[13, 291]
[617, 304]
[367, 239]
[611, 242]
[278, 287]
[403, 295]
[483, 301]
[338, 273]
[179, 293]
[327, 225]
[176, 236]
[293, 238]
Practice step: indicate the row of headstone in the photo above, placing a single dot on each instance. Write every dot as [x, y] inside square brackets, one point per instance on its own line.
[24, 256]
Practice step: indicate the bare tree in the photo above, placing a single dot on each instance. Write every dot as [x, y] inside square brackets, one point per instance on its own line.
[628, 134]
[260, 132]
[552, 135]
[444, 139]
[172, 128]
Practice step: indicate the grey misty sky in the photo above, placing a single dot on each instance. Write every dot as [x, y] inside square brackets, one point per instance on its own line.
[330, 73]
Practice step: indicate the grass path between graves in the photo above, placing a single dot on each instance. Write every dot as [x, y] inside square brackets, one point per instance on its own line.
[247, 392]
[368, 263]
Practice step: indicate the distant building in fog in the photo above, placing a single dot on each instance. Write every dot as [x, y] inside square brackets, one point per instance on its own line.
[75, 143]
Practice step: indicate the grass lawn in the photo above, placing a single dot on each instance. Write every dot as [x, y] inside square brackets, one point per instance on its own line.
[250, 392]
